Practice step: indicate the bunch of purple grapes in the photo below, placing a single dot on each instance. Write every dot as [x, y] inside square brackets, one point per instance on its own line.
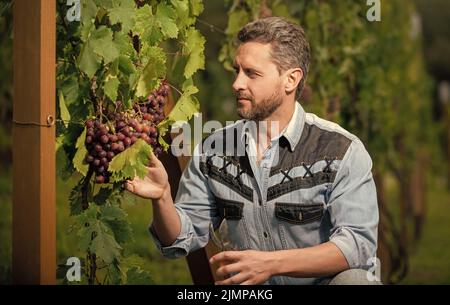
[105, 140]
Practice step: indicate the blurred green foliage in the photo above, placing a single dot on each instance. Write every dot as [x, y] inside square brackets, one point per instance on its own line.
[436, 36]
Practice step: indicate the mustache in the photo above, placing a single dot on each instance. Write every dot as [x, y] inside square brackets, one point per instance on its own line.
[241, 95]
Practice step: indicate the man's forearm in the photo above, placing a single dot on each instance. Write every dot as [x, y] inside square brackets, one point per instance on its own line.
[322, 260]
[166, 221]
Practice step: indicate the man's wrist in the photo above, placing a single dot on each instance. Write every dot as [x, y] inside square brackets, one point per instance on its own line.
[274, 263]
[165, 197]
[280, 261]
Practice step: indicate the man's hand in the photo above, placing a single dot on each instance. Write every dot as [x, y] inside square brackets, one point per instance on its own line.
[154, 185]
[248, 267]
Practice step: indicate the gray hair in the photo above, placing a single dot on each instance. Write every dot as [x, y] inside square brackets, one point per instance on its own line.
[290, 48]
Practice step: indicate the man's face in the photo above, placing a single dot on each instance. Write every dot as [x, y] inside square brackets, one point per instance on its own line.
[258, 84]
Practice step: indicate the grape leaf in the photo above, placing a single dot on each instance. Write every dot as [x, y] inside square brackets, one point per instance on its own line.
[64, 113]
[80, 155]
[124, 44]
[89, 11]
[63, 166]
[110, 87]
[104, 244]
[182, 9]
[137, 276]
[147, 26]
[196, 7]
[85, 222]
[110, 195]
[143, 16]
[116, 219]
[194, 46]
[88, 61]
[101, 40]
[112, 213]
[166, 18]
[122, 12]
[126, 65]
[86, 30]
[96, 236]
[75, 199]
[70, 90]
[131, 162]
[153, 71]
[106, 4]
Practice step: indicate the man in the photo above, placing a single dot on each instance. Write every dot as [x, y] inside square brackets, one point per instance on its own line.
[299, 208]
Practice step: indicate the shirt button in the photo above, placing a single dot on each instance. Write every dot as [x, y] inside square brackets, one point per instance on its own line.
[266, 235]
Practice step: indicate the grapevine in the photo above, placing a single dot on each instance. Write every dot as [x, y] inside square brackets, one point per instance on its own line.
[116, 67]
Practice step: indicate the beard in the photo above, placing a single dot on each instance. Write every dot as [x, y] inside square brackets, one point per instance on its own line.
[259, 111]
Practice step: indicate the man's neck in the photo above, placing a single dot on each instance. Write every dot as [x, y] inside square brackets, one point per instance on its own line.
[275, 124]
[279, 120]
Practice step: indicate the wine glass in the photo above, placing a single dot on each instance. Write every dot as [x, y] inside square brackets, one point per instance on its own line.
[221, 237]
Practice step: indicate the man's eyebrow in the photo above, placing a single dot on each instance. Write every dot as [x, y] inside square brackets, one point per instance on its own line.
[236, 67]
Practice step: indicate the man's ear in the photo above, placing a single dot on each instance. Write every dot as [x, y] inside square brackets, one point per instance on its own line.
[293, 78]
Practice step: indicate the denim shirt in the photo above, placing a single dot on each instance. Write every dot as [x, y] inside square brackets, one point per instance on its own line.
[313, 184]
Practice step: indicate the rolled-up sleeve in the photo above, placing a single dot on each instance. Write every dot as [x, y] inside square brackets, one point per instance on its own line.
[353, 208]
[195, 205]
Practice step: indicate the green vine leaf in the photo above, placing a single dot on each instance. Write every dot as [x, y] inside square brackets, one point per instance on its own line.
[95, 236]
[78, 159]
[88, 61]
[64, 113]
[194, 46]
[116, 219]
[111, 86]
[137, 276]
[196, 7]
[153, 71]
[104, 244]
[146, 26]
[126, 66]
[130, 163]
[102, 44]
[184, 19]
[122, 12]
[166, 19]
[75, 199]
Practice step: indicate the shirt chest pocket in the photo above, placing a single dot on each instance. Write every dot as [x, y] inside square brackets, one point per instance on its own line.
[231, 212]
[298, 224]
[229, 209]
[294, 213]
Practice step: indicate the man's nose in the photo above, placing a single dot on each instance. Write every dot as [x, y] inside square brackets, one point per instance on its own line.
[239, 83]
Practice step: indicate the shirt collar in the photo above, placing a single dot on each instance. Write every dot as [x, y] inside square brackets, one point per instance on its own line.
[293, 130]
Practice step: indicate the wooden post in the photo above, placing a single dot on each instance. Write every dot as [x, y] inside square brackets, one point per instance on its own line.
[34, 212]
